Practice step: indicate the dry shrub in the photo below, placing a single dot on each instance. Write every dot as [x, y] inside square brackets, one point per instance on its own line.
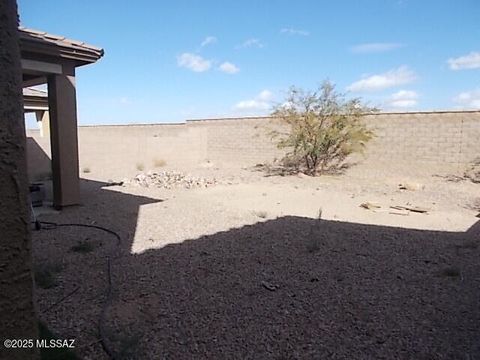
[473, 171]
[323, 128]
[159, 162]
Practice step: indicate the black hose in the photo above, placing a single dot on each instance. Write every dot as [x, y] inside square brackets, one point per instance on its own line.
[52, 225]
[46, 225]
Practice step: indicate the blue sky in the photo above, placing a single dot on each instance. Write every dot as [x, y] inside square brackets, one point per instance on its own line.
[167, 61]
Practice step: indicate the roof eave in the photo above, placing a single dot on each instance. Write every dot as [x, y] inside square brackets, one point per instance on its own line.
[82, 55]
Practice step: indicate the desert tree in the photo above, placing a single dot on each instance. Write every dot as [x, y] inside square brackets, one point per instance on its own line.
[322, 128]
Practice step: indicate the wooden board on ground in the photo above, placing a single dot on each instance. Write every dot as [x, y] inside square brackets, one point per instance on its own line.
[416, 209]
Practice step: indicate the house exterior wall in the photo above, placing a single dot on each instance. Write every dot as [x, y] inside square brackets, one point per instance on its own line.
[18, 316]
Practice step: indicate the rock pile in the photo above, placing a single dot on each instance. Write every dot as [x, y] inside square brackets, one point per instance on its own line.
[170, 180]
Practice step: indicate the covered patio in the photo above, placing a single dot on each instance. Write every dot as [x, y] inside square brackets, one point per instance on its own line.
[36, 101]
[52, 60]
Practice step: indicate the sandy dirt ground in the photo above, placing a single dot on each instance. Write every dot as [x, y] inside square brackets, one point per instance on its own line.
[270, 267]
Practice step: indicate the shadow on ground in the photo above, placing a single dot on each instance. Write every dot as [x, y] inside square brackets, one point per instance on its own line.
[286, 288]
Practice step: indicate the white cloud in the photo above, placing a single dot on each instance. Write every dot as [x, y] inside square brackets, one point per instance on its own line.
[291, 31]
[375, 47]
[395, 77]
[468, 99]
[208, 40]
[229, 68]
[260, 103]
[265, 95]
[403, 99]
[469, 61]
[193, 62]
[250, 43]
[404, 94]
[251, 105]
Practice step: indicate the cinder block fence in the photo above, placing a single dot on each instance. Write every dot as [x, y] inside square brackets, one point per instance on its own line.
[408, 139]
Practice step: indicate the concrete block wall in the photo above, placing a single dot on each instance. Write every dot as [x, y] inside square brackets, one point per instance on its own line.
[435, 138]
[115, 150]
[432, 138]
[402, 139]
[240, 141]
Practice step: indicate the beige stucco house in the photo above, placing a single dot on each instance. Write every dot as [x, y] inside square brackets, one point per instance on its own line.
[52, 60]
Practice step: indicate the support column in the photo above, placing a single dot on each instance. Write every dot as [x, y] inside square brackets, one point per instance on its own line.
[63, 138]
[44, 119]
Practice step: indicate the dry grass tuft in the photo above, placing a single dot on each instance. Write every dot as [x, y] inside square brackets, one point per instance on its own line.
[159, 162]
[46, 274]
[83, 247]
[261, 214]
[451, 272]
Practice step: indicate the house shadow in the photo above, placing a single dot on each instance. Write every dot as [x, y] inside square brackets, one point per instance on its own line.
[285, 288]
[291, 287]
[301, 288]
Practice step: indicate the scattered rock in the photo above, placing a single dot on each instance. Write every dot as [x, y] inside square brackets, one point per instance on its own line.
[269, 286]
[454, 178]
[410, 186]
[261, 214]
[113, 183]
[370, 206]
[207, 164]
[170, 180]
[474, 204]
[303, 175]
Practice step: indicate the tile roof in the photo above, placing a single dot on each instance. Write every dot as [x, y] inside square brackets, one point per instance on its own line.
[30, 91]
[74, 49]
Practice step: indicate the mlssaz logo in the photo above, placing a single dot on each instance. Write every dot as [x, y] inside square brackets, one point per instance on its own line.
[56, 343]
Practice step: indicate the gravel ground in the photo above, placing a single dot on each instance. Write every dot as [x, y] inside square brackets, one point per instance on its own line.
[245, 269]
